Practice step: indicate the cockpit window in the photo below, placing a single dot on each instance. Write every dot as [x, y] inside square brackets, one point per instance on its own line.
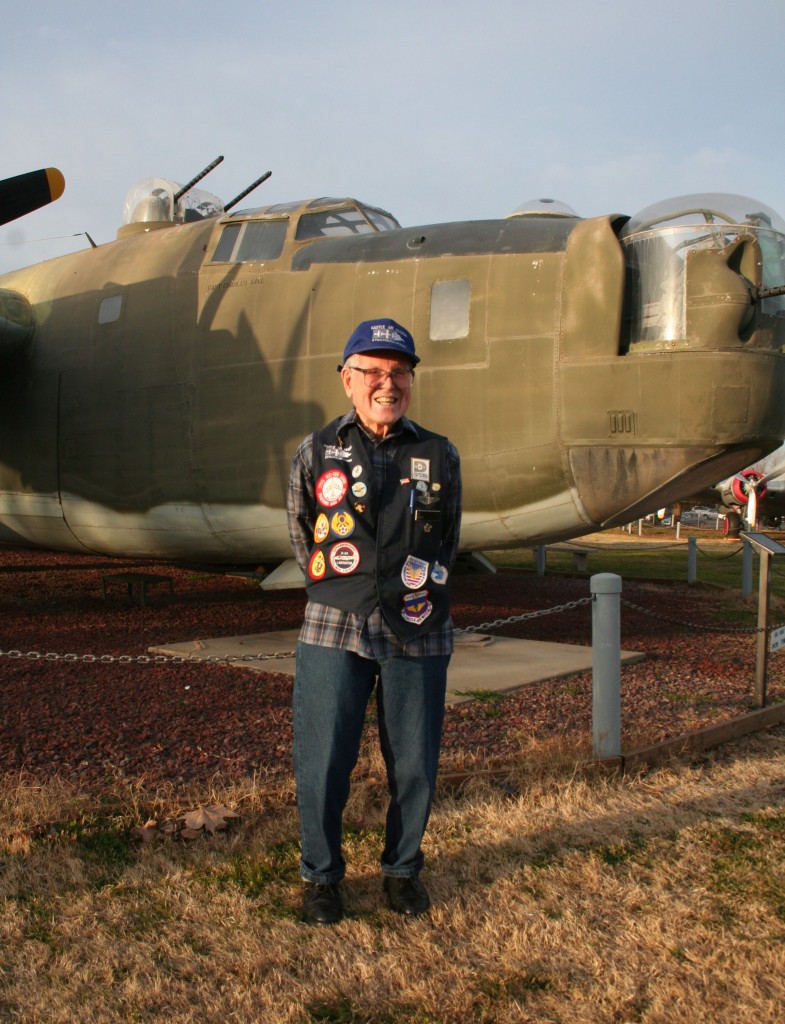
[330, 223]
[380, 220]
[253, 241]
[350, 220]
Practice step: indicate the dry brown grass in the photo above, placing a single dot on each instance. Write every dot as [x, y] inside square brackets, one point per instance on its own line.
[557, 897]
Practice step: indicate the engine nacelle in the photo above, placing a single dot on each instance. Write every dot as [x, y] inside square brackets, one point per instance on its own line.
[735, 491]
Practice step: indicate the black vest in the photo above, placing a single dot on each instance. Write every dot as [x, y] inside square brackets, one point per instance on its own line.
[381, 542]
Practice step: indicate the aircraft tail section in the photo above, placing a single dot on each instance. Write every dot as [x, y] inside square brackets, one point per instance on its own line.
[27, 192]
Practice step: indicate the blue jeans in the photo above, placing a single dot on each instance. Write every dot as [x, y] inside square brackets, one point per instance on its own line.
[331, 692]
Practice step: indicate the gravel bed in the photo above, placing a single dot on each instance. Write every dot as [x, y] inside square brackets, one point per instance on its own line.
[87, 722]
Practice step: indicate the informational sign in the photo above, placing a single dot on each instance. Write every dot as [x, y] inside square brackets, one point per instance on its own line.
[777, 638]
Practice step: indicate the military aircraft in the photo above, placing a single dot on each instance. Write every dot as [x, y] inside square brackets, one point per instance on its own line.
[751, 496]
[590, 371]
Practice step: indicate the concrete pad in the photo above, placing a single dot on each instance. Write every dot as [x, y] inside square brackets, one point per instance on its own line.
[480, 662]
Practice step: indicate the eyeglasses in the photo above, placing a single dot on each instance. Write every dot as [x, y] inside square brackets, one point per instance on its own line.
[374, 377]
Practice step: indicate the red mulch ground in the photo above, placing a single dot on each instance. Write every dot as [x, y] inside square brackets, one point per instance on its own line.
[186, 723]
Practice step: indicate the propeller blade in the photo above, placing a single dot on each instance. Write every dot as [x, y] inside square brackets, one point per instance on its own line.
[752, 507]
[27, 192]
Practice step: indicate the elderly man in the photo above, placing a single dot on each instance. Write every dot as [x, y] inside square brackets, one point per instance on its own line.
[374, 512]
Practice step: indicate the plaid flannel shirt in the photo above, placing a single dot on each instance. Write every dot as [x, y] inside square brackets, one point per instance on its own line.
[326, 626]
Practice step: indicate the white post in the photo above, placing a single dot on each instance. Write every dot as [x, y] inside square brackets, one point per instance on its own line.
[606, 665]
[692, 559]
[540, 553]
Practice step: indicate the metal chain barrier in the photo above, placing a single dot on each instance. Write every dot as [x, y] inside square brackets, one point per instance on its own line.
[175, 659]
[719, 558]
[485, 626]
[144, 659]
[698, 625]
[675, 622]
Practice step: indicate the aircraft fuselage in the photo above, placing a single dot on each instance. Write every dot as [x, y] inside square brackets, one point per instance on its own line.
[153, 407]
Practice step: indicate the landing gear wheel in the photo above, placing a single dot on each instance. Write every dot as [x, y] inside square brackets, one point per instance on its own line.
[732, 526]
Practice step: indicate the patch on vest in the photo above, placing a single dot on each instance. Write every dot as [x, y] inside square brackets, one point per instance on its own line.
[342, 523]
[416, 607]
[331, 488]
[414, 573]
[421, 469]
[439, 573]
[317, 566]
[344, 558]
[322, 528]
[331, 451]
[359, 490]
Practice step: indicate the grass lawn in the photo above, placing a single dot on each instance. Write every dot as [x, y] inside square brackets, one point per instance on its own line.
[556, 897]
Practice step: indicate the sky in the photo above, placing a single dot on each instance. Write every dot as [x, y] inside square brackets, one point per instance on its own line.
[435, 110]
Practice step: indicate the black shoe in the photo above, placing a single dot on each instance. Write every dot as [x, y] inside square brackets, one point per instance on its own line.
[322, 904]
[407, 895]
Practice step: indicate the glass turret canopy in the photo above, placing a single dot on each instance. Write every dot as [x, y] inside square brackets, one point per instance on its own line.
[662, 240]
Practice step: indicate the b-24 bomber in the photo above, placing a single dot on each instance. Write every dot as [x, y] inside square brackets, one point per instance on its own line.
[590, 371]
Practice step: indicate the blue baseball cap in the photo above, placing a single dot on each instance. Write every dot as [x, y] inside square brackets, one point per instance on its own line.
[380, 335]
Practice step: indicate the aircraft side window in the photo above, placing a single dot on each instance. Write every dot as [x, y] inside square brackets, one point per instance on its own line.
[227, 243]
[262, 240]
[110, 309]
[450, 310]
[251, 242]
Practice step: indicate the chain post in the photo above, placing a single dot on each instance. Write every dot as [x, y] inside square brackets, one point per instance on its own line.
[540, 554]
[692, 559]
[606, 665]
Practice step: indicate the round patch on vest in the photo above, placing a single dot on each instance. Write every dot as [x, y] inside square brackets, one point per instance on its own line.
[359, 490]
[416, 607]
[321, 530]
[317, 566]
[342, 523]
[344, 558]
[357, 471]
[331, 488]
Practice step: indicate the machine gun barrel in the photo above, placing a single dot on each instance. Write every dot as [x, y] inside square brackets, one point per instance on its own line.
[245, 192]
[770, 293]
[194, 181]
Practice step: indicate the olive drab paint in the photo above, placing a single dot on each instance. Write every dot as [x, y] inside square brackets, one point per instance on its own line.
[153, 389]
